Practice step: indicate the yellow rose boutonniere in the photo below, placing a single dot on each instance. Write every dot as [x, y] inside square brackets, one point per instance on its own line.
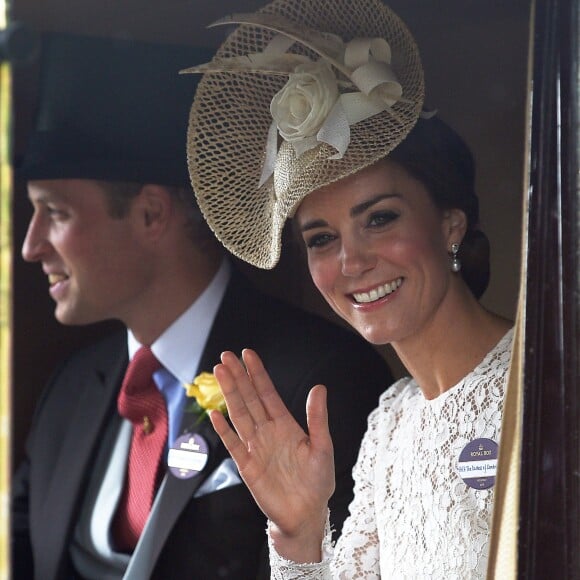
[206, 394]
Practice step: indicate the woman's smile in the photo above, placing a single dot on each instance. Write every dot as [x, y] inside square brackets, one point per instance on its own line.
[378, 292]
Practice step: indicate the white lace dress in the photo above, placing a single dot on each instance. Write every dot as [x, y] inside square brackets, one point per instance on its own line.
[413, 516]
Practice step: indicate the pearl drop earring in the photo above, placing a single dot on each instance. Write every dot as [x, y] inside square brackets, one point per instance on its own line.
[455, 262]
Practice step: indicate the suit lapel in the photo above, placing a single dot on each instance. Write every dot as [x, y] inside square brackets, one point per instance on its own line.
[75, 458]
[172, 498]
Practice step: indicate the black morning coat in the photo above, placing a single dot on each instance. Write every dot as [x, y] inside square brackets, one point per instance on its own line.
[219, 535]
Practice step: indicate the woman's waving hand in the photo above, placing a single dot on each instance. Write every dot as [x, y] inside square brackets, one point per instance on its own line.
[290, 473]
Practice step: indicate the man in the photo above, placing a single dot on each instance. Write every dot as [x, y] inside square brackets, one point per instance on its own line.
[118, 235]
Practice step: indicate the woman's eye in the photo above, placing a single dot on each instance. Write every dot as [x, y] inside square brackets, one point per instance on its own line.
[319, 240]
[381, 218]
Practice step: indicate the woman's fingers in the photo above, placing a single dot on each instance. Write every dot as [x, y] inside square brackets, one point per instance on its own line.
[269, 397]
[229, 384]
[230, 439]
[249, 390]
[317, 419]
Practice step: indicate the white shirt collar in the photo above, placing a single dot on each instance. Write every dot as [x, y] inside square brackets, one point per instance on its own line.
[180, 346]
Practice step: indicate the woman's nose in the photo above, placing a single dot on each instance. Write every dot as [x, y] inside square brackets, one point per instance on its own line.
[356, 258]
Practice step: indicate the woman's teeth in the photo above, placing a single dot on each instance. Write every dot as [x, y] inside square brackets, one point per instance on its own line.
[378, 292]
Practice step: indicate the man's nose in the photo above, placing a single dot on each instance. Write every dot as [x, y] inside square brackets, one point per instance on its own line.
[35, 244]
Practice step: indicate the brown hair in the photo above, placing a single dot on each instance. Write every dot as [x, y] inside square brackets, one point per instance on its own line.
[120, 195]
[440, 159]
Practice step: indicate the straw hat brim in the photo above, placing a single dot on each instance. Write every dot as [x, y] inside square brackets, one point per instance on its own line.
[230, 119]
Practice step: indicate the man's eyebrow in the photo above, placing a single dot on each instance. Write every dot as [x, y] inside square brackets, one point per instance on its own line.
[42, 196]
[39, 198]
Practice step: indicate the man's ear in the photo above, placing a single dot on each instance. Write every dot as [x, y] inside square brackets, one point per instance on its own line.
[455, 225]
[155, 206]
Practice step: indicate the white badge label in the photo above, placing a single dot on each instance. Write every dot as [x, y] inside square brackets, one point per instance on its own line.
[188, 455]
[477, 464]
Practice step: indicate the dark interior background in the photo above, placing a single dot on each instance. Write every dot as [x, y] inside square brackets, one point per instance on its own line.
[475, 58]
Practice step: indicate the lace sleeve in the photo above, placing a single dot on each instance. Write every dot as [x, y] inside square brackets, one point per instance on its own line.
[282, 569]
[357, 550]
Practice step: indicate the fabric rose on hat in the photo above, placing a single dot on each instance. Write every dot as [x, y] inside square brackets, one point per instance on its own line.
[303, 104]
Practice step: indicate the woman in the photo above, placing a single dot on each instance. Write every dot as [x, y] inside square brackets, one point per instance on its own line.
[387, 218]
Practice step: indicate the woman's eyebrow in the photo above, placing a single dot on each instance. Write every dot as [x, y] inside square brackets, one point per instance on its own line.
[362, 207]
[355, 211]
[313, 224]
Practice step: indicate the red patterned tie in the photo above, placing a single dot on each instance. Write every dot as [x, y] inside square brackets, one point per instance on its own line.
[141, 403]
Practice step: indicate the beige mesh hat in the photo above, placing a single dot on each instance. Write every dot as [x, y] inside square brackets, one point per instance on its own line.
[303, 93]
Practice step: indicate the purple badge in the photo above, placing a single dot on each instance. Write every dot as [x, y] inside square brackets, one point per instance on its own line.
[477, 463]
[188, 455]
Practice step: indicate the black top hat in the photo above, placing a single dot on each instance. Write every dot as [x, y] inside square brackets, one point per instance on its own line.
[113, 110]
